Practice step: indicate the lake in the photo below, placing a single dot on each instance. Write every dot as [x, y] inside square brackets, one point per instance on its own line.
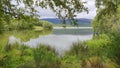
[59, 39]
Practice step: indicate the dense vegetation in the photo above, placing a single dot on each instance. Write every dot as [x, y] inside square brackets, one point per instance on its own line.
[18, 8]
[95, 53]
[25, 24]
[103, 51]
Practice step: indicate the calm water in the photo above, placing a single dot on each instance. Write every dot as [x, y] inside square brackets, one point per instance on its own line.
[72, 31]
[60, 39]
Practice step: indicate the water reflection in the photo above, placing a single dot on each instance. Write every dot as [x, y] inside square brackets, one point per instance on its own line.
[72, 31]
[60, 43]
[61, 39]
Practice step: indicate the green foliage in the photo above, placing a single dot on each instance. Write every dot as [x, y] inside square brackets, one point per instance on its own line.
[16, 17]
[110, 6]
[44, 57]
[10, 9]
[93, 53]
[21, 56]
[20, 25]
[107, 22]
[79, 49]
[94, 47]
[70, 61]
[94, 62]
[106, 16]
[90, 54]
[97, 62]
[25, 24]
[100, 52]
[44, 24]
[15, 55]
[1, 26]
[98, 46]
[114, 47]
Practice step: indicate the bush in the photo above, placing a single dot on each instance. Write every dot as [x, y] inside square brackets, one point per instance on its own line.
[20, 25]
[94, 62]
[79, 49]
[44, 24]
[114, 47]
[98, 46]
[43, 57]
[15, 55]
[89, 54]
[1, 27]
[70, 61]
[98, 62]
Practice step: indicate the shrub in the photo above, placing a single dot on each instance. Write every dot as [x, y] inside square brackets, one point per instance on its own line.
[15, 55]
[44, 24]
[114, 47]
[98, 46]
[78, 49]
[98, 62]
[94, 62]
[70, 61]
[20, 25]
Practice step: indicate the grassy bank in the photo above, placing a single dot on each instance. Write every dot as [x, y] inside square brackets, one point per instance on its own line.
[95, 53]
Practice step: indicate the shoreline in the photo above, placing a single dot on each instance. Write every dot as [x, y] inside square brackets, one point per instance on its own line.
[72, 27]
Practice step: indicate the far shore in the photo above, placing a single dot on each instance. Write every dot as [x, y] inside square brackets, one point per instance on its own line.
[72, 27]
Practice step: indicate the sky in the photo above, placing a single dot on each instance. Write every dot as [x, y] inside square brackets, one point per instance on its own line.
[48, 13]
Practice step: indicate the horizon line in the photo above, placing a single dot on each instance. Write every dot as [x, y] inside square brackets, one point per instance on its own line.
[59, 18]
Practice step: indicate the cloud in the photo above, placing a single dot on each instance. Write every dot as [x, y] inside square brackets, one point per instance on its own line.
[48, 13]
[92, 10]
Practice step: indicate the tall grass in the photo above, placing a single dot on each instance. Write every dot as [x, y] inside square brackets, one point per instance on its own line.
[99, 52]
[81, 55]
[45, 57]
[91, 54]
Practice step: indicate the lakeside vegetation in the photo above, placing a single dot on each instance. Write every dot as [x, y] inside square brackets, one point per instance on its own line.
[103, 51]
[95, 53]
[27, 23]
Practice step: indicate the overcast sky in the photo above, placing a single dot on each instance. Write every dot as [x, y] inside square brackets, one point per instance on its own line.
[47, 13]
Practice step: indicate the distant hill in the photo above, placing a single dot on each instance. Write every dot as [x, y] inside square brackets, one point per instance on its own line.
[81, 21]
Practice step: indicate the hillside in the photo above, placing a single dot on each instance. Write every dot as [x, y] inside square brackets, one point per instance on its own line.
[81, 21]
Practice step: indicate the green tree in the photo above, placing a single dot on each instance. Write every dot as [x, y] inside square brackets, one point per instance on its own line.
[107, 22]
[107, 14]
[13, 9]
